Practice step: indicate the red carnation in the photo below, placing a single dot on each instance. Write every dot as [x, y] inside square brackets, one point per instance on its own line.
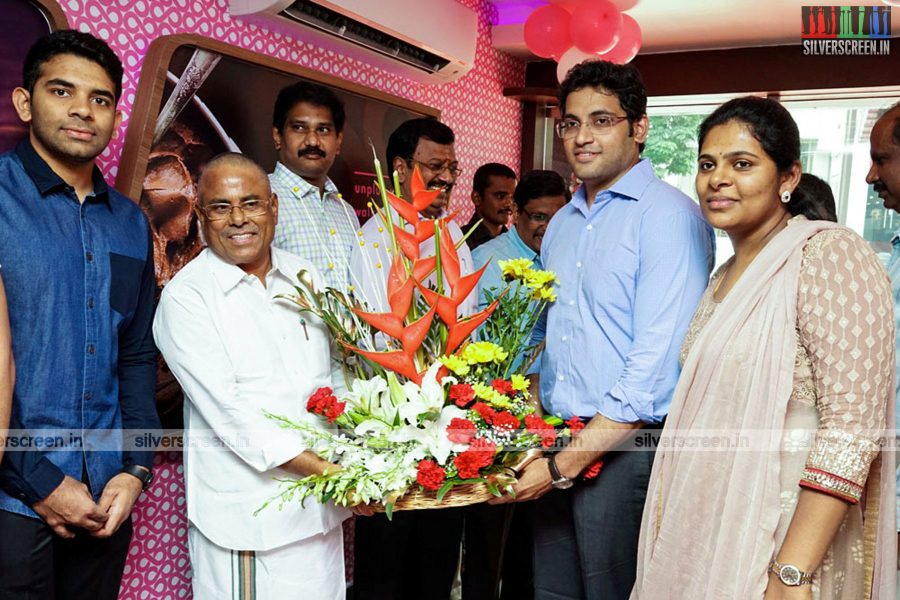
[575, 425]
[335, 410]
[479, 455]
[321, 401]
[429, 474]
[505, 420]
[484, 411]
[461, 431]
[462, 394]
[504, 387]
[593, 470]
[536, 425]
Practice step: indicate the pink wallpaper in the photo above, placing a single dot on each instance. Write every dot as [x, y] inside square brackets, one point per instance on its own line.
[488, 128]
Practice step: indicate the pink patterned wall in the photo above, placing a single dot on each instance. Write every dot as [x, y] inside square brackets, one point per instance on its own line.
[488, 128]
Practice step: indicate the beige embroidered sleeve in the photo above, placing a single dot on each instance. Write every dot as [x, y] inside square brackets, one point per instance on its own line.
[845, 318]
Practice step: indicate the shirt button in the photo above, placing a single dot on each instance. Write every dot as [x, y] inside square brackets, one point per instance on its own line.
[90, 257]
[562, 377]
[578, 264]
[90, 303]
[589, 227]
[571, 303]
[91, 349]
[565, 337]
[88, 395]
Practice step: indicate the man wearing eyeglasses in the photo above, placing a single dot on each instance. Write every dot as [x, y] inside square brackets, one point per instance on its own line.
[414, 555]
[316, 223]
[633, 256]
[237, 349]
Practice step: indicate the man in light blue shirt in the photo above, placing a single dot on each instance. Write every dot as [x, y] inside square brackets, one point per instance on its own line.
[633, 256]
[538, 197]
[313, 220]
[884, 176]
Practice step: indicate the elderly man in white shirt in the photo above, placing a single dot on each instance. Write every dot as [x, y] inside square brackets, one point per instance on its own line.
[237, 350]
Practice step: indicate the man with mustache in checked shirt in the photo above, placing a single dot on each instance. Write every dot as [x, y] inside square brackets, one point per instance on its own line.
[315, 222]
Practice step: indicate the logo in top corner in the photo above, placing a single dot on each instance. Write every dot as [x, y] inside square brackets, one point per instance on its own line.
[846, 30]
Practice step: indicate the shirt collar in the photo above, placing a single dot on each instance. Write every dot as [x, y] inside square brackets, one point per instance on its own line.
[229, 276]
[895, 239]
[304, 187]
[630, 186]
[522, 247]
[46, 179]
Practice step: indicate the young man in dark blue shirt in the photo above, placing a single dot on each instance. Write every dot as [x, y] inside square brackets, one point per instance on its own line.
[78, 267]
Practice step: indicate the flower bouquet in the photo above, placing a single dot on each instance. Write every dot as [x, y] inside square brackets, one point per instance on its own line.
[430, 416]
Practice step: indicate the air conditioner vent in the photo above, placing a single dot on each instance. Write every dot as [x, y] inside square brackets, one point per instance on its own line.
[336, 24]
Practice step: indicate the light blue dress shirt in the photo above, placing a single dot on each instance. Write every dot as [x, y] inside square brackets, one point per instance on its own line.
[505, 246]
[631, 267]
[893, 269]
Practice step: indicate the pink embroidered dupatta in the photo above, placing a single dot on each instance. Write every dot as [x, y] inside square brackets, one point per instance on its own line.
[709, 522]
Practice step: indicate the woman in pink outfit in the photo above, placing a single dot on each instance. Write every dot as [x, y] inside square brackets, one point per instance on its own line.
[789, 364]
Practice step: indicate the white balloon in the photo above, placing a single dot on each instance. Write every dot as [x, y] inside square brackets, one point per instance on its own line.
[624, 4]
[569, 59]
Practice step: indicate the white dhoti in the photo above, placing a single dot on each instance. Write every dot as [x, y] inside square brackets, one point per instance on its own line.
[311, 569]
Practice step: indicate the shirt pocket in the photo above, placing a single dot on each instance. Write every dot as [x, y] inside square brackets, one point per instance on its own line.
[125, 283]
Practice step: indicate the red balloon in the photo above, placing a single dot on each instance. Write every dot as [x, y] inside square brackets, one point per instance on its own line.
[547, 31]
[595, 26]
[629, 43]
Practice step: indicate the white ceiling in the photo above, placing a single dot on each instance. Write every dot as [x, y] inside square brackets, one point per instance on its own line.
[676, 25]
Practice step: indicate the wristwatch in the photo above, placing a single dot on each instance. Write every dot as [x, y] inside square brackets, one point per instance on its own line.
[142, 473]
[789, 574]
[560, 482]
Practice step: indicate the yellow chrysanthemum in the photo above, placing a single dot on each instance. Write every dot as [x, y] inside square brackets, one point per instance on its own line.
[483, 352]
[537, 279]
[490, 395]
[545, 293]
[519, 382]
[514, 268]
[455, 364]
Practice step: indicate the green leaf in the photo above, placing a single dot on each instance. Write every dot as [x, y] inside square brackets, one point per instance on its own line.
[492, 488]
[443, 490]
[389, 511]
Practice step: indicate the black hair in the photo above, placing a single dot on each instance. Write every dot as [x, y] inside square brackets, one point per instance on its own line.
[775, 130]
[482, 176]
[622, 81]
[77, 43]
[310, 93]
[405, 139]
[818, 197]
[537, 184]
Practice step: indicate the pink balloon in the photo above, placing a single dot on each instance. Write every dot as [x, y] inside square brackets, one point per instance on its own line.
[547, 31]
[629, 43]
[572, 57]
[624, 5]
[595, 26]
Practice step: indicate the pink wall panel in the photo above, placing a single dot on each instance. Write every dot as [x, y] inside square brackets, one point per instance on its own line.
[488, 128]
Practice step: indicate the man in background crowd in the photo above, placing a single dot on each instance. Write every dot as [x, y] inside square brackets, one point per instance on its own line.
[78, 267]
[315, 222]
[492, 194]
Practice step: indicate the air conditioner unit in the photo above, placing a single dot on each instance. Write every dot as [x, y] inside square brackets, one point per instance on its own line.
[432, 41]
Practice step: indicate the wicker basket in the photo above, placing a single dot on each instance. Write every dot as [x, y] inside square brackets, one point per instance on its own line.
[460, 495]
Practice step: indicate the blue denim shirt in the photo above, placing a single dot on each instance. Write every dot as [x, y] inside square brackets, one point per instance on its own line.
[80, 286]
[631, 267]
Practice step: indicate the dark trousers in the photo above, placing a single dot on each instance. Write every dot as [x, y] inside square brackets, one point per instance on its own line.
[413, 557]
[36, 564]
[585, 538]
[497, 552]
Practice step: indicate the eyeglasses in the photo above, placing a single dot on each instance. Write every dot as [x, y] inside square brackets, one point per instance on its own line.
[536, 217]
[439, 167]
[219, 211]
[599, 125]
